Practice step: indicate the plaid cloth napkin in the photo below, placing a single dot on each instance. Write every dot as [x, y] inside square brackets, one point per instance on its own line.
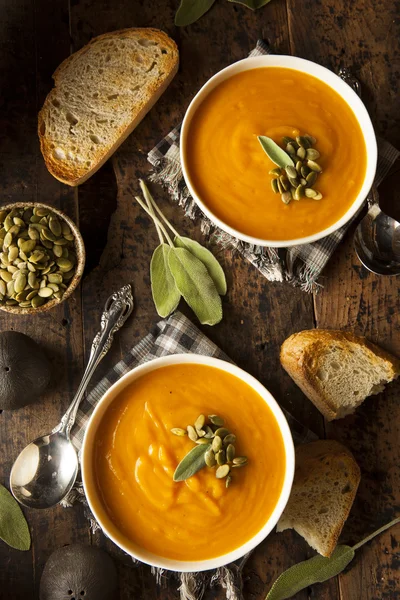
[299, 265]
[174, 335]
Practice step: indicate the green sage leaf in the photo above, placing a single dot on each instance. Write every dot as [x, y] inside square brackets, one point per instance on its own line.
[14, 529]
[193, 462]
[207, 258]
[195, 285]
[315, 570]
[275, 152]
[190, 11]
[165, 293]
[253, 4]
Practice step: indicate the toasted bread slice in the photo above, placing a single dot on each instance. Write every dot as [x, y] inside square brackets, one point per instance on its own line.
[337, 370]
[325, 485]
[101, 94]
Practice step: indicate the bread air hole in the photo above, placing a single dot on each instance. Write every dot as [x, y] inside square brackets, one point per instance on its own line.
[113, 96]
[71, 118]
[95, 139]
[42, 128]
[164, 51]
[153, 64]
[56, 103]
[138, 59]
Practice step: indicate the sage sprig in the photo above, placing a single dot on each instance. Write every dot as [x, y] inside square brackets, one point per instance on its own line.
[318, 568]
[193, 462]
[275, 152]
[14, 529]
[190, 11]
[181, 267]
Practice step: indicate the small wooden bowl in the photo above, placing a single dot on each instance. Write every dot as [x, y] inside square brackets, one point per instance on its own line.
[80, 255]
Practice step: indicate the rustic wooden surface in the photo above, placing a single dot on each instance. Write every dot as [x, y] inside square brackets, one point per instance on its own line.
[35, 35]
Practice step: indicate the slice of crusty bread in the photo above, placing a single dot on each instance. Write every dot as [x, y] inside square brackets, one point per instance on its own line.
[101, 94]
[336, 369]
[324, 487]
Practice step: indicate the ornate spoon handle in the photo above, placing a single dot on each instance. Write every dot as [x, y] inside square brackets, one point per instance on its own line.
[116, 311]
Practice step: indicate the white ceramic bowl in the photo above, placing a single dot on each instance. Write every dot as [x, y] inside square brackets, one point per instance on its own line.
[88, 476]
[306, 66]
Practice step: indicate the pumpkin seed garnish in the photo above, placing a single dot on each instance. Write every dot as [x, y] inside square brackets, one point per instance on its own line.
[291, 184]
[213, 448]
[217, 443]
[199, 423]
[178, 431]
[222, 471]
[192, 434]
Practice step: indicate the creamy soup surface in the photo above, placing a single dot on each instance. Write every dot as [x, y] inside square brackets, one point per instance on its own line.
[135, 456]
[229, 170]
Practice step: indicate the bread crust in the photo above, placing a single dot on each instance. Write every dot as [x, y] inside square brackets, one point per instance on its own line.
[73, 174]
[299, 357]
[308, 458]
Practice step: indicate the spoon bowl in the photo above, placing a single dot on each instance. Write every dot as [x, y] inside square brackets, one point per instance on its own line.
[44, 471]
[377, 240]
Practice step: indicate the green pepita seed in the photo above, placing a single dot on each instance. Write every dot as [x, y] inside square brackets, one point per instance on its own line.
[277, 171]
[294, 182]
[221, 457]
[311, 178]
[20, 283]
[284, 183]
[203, 440]
[318, 196]
[288, 140]
[64, 264]
[45, 292]
[209, 458]
[54, 277]
[209, 433]
[239, 461]
[57, 251]
[217, 444]
[299, 193]
[303, 181]
[10, 289]
[286, 197]
[55, 226]
[41, 212]
[304, 171]
[230, 438]
[290, 148]
[230, 452]
[299, 164]
[3, 287]
[7, 240]
[311, 139]
[177, 430]
[216, 420]
[37, 301]
[291, 172]
[274, 185]
[6, 276]
[303, 141]
[301, 153]
[314, 166]
[190, 430]
[199, 422]
[222, 471]
[312, 154]
[31, 295]
[222, 432]
[228, 481]
[310, 193]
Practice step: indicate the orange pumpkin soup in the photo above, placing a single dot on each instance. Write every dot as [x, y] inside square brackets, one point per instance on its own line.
[135, 456]
[228, 169]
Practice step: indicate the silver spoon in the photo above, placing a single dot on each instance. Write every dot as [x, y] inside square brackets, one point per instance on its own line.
[46, 469]
[377, 240]
[377, 237]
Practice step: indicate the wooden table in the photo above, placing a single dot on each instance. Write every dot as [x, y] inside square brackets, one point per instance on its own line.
[35, 36]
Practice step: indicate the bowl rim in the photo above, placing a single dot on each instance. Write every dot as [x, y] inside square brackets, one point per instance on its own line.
[81, 259]
[329, 78]
[88, 476]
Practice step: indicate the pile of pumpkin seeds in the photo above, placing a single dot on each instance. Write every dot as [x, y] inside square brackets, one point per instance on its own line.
[221, 453]
[37, 258]
[295, 182]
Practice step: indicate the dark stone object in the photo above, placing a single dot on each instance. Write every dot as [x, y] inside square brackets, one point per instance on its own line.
[24, 370]
[79, 572]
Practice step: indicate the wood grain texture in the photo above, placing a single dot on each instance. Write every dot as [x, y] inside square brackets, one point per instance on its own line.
[258, 315]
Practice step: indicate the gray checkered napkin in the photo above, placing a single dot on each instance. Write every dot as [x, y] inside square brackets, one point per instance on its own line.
[299, 265]
[174, 335]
